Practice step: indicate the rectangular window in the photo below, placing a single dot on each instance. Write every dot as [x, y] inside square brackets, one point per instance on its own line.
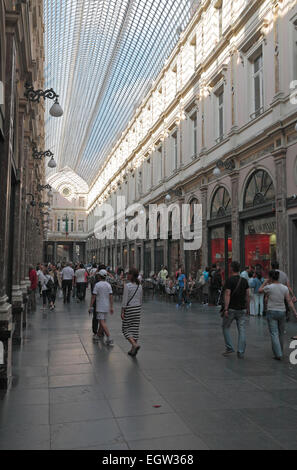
[160, 155]
[194, 120]
[295, 49]
[220, 14]
[175, 151]
[72, 225]
[258, 85]
[220, 98]
[81, 227]
[58, 225]
[81, 202]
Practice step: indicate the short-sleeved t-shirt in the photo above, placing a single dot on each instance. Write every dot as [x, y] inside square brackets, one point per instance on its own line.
[80, 275]
[181, 279]
[238, 299]
[276, 296]
[102, 290]
[283, 278]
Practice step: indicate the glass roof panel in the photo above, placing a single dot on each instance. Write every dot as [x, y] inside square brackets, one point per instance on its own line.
[101, 56]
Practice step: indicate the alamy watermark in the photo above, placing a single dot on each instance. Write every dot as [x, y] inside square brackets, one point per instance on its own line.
[137, 223]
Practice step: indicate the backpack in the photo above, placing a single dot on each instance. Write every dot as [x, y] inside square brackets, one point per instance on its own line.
[216, 281]
[49, 284]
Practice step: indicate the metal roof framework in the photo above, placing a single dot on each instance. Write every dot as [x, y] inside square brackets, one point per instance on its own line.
[101, 57]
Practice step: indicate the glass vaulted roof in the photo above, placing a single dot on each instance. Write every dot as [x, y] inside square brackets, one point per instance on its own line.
[101, 56]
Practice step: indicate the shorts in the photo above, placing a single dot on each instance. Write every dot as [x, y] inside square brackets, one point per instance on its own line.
[101, 315]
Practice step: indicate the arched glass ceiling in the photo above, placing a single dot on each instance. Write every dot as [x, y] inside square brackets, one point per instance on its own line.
[101, 56]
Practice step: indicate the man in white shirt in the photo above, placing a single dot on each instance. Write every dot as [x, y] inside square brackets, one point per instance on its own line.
[102, 294]
[67, 282]
[80, 282]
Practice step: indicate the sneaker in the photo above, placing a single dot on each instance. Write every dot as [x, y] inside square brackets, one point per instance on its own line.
[95, 338]
[228, 352]
[109, 342]
[240, 355]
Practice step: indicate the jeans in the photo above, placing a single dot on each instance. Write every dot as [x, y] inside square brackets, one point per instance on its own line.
[259, 304]
[276, 324]
[80, 290]
[239, 316]
[182, 295]
[67, 287]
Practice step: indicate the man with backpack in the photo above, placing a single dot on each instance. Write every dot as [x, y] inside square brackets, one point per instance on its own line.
[236, 306]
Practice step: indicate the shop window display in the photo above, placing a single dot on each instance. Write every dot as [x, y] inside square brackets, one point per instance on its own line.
[260, 243]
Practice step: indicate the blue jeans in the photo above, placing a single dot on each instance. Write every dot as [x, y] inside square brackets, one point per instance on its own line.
[182, 295]
[276, 324]
[239, 316]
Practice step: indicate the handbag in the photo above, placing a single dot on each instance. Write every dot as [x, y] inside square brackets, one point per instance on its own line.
[223, 296]
[131, 298]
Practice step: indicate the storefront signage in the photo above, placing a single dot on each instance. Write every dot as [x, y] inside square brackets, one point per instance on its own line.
[266, 225]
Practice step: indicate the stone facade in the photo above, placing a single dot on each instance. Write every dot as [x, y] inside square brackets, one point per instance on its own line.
[21, 124]
[224, 93]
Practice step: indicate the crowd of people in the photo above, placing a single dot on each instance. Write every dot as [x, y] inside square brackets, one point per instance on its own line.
[245, 292]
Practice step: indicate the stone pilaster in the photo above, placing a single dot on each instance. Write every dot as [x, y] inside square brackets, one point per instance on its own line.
[235, 223]
[204, 258]
[280, 208]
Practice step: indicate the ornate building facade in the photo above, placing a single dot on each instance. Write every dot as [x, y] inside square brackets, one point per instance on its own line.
[21, 124]
[216, 128]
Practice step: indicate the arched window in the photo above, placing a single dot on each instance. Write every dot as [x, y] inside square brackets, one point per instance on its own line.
[259, 190]
[221, 203]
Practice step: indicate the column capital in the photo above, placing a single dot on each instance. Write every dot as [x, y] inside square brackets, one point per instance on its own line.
[280, 153]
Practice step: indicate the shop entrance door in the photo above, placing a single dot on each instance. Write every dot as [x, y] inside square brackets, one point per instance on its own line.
[221, 248]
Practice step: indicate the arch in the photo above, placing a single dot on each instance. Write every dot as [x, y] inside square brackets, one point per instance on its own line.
[258, 190]
[220, 203]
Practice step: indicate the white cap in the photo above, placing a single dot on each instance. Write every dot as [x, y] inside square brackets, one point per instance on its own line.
[102, 273]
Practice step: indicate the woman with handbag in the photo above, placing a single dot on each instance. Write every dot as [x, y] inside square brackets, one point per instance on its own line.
[131, 310]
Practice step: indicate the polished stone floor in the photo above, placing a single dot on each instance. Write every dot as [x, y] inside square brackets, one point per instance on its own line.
[179, 393]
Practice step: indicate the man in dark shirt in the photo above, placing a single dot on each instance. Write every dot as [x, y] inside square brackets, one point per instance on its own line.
[237, 304]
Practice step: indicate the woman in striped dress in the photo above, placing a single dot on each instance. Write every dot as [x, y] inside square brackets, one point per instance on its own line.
[131, 308]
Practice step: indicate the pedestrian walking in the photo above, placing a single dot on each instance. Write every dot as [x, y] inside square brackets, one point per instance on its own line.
[102, 294]
[236, 305]
[33, 286]
[46, 288]
[80, 282]
[182, 288]
[277, 294]
[215, 284]
[67, 282]
[131, 310]
[258, 296]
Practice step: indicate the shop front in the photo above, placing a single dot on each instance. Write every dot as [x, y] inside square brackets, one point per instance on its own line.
[258, 223]
[219, 232]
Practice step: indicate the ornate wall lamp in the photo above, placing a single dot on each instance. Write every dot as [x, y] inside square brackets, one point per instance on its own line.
[41, 187]
[32, 202]
[44, 204]
[176, 192]
[40, 155]
[35, 95]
